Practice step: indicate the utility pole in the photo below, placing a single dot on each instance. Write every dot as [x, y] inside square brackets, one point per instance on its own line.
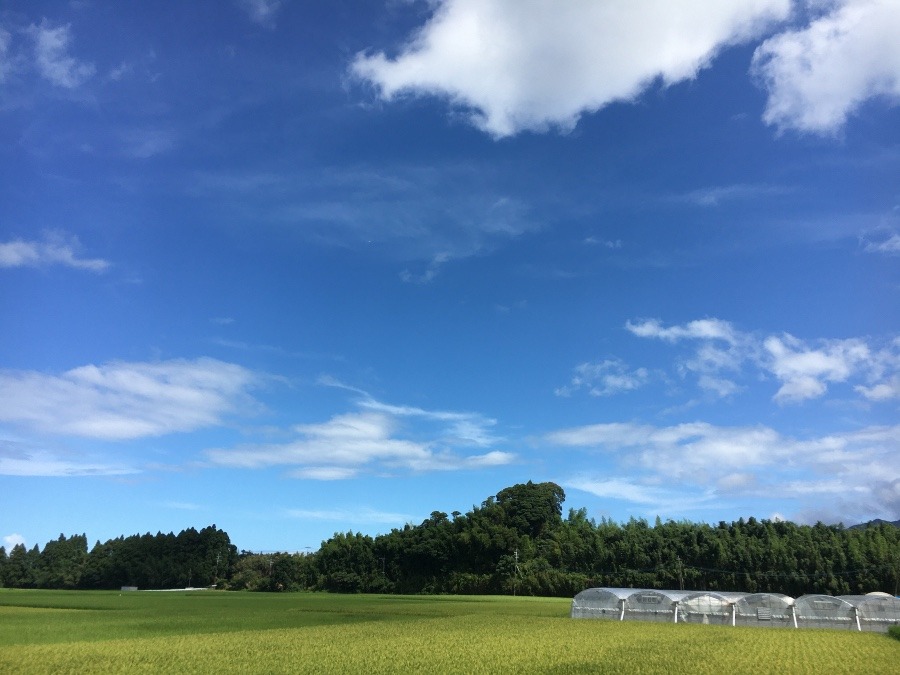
[516, 571]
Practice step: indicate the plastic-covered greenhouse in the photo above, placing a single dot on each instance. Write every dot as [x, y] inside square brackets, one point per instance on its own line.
[772, 610]
[825, 611]
[874, 612]
[707, 607]
[647, 605]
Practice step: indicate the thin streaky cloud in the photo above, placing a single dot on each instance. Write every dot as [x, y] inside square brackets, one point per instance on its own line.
[354, 515]
[55, 249]
[127, 400]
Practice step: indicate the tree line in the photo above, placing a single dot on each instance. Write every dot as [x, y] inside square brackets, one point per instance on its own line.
[516, 542]
[190, 558]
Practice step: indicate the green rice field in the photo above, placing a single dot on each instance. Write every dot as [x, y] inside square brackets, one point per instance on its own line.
[224, 632]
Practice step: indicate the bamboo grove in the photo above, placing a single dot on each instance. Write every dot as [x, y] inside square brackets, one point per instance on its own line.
[517, 542]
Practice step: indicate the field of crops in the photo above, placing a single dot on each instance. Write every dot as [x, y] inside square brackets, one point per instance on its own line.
[205, 632]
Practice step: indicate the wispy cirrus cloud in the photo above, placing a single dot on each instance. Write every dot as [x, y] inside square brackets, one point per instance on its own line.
[376, 438]
[56, 248]
[352, 516]
[699, 462]
[422, 216]
[25, 459]
[889, 245]
[262, 12]
[126, 400]
[53, 60]
[605, 378]
[721, 194]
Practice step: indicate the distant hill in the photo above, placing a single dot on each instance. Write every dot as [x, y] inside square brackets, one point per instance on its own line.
[876, 522]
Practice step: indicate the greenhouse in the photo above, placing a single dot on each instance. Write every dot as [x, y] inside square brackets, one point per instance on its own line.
[709, 608]
[825, 611]
[648, 605]
[600, 603]
[873, 612]
[770, 610]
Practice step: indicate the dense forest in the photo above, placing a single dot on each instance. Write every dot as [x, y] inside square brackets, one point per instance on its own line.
[517, 542]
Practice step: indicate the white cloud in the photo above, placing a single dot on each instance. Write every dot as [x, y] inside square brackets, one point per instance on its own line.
[261, 11]
[380, 437]
[146, 143]
[883, 391]
[701, 329]
[430, 272]
[714, 196]
[56, 249]
[355, 515]
[533, 65]
[182, 506]
[605, 243]
[121, 400]
[704, 461]
[819, 75]
[51, 52]
[804, 369]
[605, 378]
[23, 461]
[891, 245]
[6, 65]
[619, 489]
[805, 372]
[12, 540]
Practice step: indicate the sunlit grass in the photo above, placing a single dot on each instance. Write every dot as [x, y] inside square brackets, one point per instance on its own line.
[237, 632]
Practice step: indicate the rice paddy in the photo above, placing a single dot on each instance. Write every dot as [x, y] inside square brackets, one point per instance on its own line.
[202, 632]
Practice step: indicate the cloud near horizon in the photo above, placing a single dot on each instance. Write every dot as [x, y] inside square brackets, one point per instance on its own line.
[696, 462]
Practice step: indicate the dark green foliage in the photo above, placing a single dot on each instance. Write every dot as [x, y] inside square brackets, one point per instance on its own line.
[518, 543]
[894, 632]
[190, 558]
[514, 543]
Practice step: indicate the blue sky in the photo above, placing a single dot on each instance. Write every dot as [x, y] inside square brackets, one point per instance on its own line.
[302, 267]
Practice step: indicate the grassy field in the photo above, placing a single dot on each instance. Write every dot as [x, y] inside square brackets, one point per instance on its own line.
[205, 632]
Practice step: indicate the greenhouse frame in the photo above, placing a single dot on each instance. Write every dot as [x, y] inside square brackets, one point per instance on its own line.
[873, 612]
